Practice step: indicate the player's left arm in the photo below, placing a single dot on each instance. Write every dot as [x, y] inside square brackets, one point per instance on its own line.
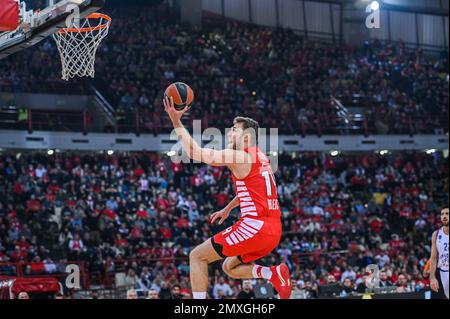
[227, 157]
[225, 212]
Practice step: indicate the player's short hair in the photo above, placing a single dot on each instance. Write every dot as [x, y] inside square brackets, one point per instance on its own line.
[444, 207]
[248, 123]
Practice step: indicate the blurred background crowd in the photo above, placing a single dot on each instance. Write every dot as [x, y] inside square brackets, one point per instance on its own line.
[140, 214]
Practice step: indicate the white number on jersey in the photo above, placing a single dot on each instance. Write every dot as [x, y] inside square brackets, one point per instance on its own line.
[268, 177]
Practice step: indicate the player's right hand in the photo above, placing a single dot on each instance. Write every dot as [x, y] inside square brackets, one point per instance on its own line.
[434, 284]
[222, 214]
[169, 107]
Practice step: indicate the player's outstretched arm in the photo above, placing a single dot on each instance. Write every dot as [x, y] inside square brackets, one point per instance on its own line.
[226, 157]
[434, 284]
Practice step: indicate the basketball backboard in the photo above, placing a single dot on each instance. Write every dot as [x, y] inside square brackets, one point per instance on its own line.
[36, 26]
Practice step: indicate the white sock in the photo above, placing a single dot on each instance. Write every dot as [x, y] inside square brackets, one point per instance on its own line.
[261, 272]
[199, 295]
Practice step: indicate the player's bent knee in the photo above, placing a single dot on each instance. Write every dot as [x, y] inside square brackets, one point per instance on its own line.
[198, 254]
[195, 254]
[226, 267]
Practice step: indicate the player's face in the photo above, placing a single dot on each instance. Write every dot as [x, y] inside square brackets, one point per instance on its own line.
[444, 217]
[235, 137]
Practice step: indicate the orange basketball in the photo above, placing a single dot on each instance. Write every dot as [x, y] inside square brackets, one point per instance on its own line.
[181, 93]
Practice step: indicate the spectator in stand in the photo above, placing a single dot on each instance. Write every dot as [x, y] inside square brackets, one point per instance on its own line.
[37, 266]
[131, 279]
[164, 292]
[402, 284]
[23, 295]
[76, 245]
[312, 290]
[175, 292]
[361, 286]
[384, 280]
[152, 294]
[222, 289]
[143, 283]
[246, 292]
[348, 273]
[347, 287]
[95, 295]
[382, 259]
[132, 294]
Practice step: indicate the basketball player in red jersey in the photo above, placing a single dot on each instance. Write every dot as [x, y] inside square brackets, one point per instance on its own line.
[258, 230]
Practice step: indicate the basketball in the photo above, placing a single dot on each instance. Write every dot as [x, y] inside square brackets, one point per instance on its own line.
[181, 93]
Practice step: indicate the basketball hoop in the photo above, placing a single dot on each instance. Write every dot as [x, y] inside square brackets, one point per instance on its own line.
[77, 45]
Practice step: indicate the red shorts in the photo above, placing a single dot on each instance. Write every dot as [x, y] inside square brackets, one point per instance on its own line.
[249, 239]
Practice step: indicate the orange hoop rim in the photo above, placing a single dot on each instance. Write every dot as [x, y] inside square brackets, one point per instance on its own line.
[94, 15]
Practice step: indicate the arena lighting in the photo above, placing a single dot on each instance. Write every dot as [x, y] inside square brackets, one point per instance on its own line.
[384, 152]
[110, 152]
[171, 153]
[431, 151]
[50, 152]
[375, 5]
[274, 153]
[334, 153]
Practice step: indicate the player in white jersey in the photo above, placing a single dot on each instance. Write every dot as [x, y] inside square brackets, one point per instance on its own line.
[439, 255]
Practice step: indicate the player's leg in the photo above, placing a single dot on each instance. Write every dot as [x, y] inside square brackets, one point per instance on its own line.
[250, 240]
[237, 269]
[199, 259]
[444, 282]
[278, 276]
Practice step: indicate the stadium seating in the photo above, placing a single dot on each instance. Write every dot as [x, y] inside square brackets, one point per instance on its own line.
[272, 75]
[127, 211]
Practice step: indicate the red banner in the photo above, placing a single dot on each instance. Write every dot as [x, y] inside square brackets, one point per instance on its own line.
[9, 15]
[29, 285]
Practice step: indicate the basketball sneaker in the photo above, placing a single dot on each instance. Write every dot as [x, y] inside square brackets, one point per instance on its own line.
[281, 280]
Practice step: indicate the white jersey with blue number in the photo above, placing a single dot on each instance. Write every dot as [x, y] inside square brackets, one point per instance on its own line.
[442, 248]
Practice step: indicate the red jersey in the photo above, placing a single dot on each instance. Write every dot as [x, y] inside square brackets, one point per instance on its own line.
[257, 192]
[258, 231]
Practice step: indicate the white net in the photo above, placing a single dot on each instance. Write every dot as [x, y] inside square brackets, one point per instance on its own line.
[77, 46]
